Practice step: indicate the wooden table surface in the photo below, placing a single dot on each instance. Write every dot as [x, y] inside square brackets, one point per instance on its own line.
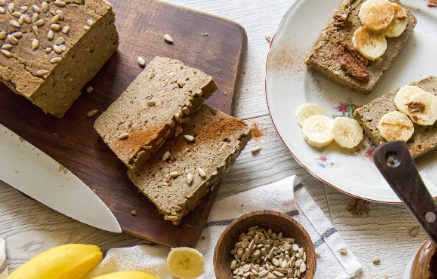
[30, 228]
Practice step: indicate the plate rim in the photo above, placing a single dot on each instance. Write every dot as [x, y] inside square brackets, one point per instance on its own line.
[276, 129]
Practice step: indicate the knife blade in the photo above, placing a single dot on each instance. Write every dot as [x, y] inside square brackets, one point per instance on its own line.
[31, 171]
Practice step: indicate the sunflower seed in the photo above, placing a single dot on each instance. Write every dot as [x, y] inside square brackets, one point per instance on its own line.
[11, 7]
[21, 20]
[14, 23]
[44, 6]
[166, 156]
[414, 231]
[92, 113]
[63, 47]
[35, 44]
[168, 39]
[234, 265]
[60, 13]
[56, 18]
[215, 172]
[55, 60]
[16, 14]
[24, 9]
[2, 2]
[48, 49]
[27, 19]
[57, 49]
[2, 10]
[189, 137]
[178, 131]
[174, 174]
[2, 35]
[35, 8]
[17, 34]
[123, 136]
[141, 61]
[89, 22]
[12, 40]
[201, 172]
[6, 53]
[39, 22]
[6, 46]
[66, 29]
[50, 35]
[343, 251]
[86, 28]
[376, 260]
[385, 277]
[55, 27]
[41, 73]
[89, 89]
[60, 3]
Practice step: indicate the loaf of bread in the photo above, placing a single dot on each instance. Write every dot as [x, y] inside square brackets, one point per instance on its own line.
[189, 165]
[52, 49]
[153, 108]
[424, 138]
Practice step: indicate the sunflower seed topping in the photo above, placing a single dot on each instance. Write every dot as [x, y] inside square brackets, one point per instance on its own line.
[6, 46]
[63, 47]
[35, 8]
[35, 17]
[123, 136]
[89, 22]
[57, 49]
[190, 178]
[55, 60]
[66, 29]
[178, 131]
[17, 34]
[16, 14]
[48, 49]
[11, 7]
[21, 20]
[92, 113]
[24, 9]
[39, 22]
[59, 41]
[189, 137]
[60, 13]
[6, 53]
[50, 35]
[2, 35]
[35, 30]
[201, 172]
[168, 39]
[55, 27]
[44, 6]
[2, 2]
[35, 44]
[14, 23]
[174, 174]
[56, 18]
[27, 19]
[60, 3]
[141, 61]
[12, 40]
[86, 27]
[41, 73]
[2, 10]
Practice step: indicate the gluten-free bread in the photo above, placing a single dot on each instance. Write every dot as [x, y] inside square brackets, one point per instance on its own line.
[185, 168]
[155, 105]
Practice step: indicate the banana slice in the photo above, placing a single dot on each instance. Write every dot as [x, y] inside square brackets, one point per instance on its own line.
[317, 131]
[376, 14]
[370, 45]
[399, 23]
[395, 126]
[422, 108]
[308, 110]
[403, 97]
[347, 132]
[185, 263]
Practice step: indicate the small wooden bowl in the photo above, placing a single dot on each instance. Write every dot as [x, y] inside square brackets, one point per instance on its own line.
[266, 219]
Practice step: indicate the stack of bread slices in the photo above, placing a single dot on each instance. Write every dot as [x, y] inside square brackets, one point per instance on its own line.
[176, 148]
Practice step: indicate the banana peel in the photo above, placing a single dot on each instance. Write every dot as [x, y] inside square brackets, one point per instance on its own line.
[126, 275]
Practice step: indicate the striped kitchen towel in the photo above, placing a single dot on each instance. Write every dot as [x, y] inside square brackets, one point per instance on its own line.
[3, 265]
[286, 196]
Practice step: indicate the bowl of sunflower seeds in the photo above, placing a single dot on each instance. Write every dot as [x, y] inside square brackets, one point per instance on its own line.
[266, 245]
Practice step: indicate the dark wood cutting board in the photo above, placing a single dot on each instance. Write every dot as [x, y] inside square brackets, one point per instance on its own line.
[74, 143]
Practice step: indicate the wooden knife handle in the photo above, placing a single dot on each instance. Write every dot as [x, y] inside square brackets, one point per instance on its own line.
[394, 161]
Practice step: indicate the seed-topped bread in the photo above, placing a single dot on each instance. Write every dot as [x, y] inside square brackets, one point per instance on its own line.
[51, 49]
[334, 51]
[152, 109]
[187, 166]
[424, 138]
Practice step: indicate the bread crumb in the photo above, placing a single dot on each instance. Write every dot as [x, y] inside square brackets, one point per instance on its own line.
[358, 207]
[256, 131]
[205, 34]
[134, 213]
[89, 89]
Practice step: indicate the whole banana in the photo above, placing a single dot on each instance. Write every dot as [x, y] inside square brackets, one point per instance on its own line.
[70, 261]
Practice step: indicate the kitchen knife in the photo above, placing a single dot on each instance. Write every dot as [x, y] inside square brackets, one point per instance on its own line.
[29, 170]
[394, 161]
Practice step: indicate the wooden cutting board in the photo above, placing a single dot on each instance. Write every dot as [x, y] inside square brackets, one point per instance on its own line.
[209, 43]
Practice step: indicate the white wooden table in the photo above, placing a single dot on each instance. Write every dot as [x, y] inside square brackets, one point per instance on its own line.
[30, 228]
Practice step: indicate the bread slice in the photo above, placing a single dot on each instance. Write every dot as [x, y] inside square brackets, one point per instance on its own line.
[424, 138]
[218, 140]
[161, 98]
[325, 56]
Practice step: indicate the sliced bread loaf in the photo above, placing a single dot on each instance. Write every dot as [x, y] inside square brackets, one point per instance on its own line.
[424, 138]
[161, 98]
[187, 166]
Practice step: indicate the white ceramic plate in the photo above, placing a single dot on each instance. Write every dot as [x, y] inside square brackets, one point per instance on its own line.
[289, 85]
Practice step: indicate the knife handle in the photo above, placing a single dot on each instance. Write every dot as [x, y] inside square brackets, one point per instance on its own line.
[394, 161]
